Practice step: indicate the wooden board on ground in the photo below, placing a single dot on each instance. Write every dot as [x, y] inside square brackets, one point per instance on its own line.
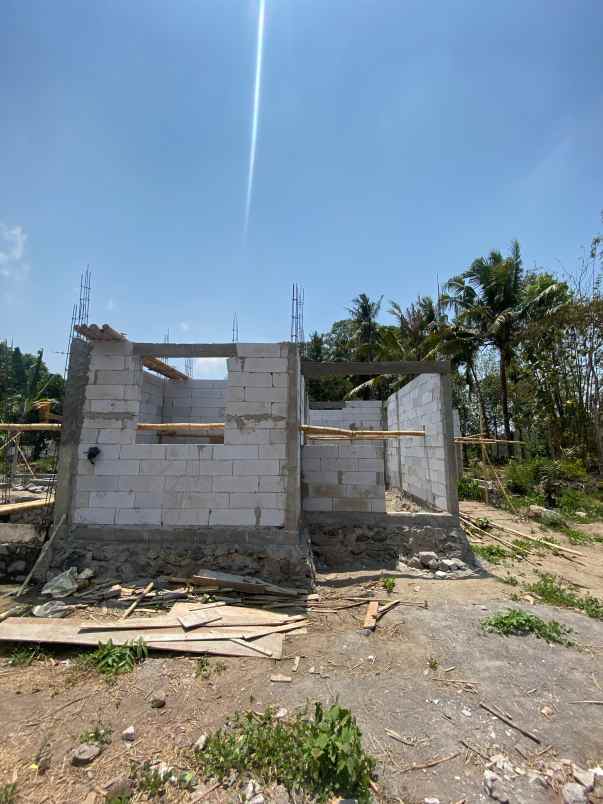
[236, 615]
[370, 621]
[66, 632]
[195, 619]
[242, 583]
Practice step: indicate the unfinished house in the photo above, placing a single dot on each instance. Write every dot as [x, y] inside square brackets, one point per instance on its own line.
[161, 474]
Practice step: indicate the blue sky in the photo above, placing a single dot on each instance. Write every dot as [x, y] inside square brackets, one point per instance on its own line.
[397, 141]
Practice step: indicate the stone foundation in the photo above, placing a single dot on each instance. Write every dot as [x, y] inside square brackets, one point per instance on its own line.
[357, 541]
[129, 553]
[20, 546]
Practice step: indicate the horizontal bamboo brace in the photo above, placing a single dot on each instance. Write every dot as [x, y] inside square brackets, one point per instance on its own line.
[15, 427]
[30, 505]
[173, 427]
[311, 429]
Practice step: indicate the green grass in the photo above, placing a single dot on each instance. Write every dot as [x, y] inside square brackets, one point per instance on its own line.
[510, 580]
[204, 669]
[550, 590]
[8, 794]
[111, 660]
[24, 657]
[389, 584]
[491, 552]
[99, 735]
[515, 622]
[320, 757]
[469, 489]
[433, 663]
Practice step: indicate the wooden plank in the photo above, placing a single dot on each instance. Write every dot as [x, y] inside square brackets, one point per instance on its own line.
[185, 349]
[316, 370]
[314, 429]
[148, 588]
[243, 583]
[63, 632]
[30, 505]
[159, 367]
[253, 646]
[198, 618]
[175, 427]
[14, 427]
[243, 632]
[372, 610]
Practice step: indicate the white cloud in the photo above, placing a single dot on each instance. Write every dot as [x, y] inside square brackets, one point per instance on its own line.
[210, 368]
[12, 252]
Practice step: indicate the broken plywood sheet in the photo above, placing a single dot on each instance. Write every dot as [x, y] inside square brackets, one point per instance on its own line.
[242, 583]
[42, 630]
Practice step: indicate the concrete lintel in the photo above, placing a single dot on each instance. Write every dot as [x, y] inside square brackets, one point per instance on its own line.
[185, 349]
[314, 369]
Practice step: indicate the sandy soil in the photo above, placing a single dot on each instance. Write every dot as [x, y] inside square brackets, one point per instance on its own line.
[385, 678]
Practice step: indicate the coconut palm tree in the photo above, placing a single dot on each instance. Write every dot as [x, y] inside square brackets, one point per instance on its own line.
[364, 314]
[492, 298]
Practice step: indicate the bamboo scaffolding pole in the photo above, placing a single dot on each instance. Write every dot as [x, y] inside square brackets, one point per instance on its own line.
[29, 505]
[174, 427]
[13, 427]
[316, 430]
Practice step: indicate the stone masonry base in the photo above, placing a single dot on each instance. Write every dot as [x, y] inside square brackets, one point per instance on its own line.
[353, 541]
[128, 553]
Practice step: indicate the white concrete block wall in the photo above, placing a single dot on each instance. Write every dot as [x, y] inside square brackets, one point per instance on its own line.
[151, 405]
[355, 415]
[343, 477]
[240, 483]
[416, 464]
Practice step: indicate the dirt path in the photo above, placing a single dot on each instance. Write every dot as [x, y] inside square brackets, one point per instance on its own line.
[421, 674]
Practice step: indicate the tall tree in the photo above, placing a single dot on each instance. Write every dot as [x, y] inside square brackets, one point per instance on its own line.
[364, 314]
[490, 297]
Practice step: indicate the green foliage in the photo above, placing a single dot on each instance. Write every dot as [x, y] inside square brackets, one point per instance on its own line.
[322, 757]
[491, 552]
[24, 657]
[8, 794]
[100, 735]
[549, 589]
[389, 584]
[469, 489]
[483, 522]
[148, 779]
[111, 660]
[204, 669]
[433, 663]
[519, 623]
[510, 580]
[572, 500]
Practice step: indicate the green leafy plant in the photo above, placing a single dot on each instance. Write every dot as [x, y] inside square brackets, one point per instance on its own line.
[510, 580]
[483, 522]
[24, 657]
[100, 735]
[148, 779]
[520, 623]
[433, 663]
[124, 798]
[469, 489]
[389, 584]
[111, 660]
[8, 793]
[204, 669]
[491, 552]
[549, 589]
[322, 757]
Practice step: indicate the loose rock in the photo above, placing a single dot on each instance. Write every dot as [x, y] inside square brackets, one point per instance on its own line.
[493, 785]
[573, 793]
[427, 558]
[129, 734]
[200, 744]
[121, 786]
[84, 754]
[158, 700]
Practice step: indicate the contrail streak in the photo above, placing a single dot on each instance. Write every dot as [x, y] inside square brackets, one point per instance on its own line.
[256, 111]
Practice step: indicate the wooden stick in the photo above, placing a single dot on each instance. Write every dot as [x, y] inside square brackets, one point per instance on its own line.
[251, 646]
[13, 427]
[370, 620]
[138, 600]
[31, 471]
[430, 764]
[43, 552]
[314, 429]
[30, 505]
[174, 427]
[384, 609]
[506, 720]
[538, 541]
[9, 441]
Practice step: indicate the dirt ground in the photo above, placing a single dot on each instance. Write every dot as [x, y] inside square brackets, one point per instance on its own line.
[386, 678]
